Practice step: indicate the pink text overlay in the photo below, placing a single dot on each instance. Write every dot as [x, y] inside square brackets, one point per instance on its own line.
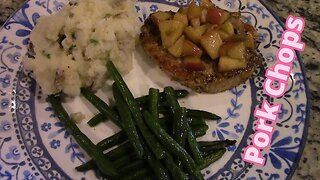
[279, 73]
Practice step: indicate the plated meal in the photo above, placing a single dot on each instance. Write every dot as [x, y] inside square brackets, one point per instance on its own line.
[66, 57]
[92, 61]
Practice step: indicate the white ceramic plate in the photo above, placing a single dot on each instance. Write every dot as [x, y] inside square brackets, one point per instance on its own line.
[35, 145]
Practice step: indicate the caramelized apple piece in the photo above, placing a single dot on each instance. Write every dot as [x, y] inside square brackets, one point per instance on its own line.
[195, 22]
[195, 33]
[233, 49]
[183, 10]
[227, 64]
[190, 49]
[203, 28]
[228, 28]
[237, 51]
[203, 18]
[170, 31]
[192, 34]
[224, 36]
[211, 42]
[217, 16]
[161, 16]
[176, 49]
[206, 3]
[181, 17]
[193, 64]
[194, 11]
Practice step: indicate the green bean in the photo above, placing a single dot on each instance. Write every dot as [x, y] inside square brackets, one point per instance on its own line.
[121, 150]
[150, 139]
[96, 120]
[179, 128]
[208, 147]
[165, 110]
[120, 137]
[101, 106]
[224, 143]
[86, 166]
[174, 170]
[150, 177]
[202, 114]
[142, 101]
[172, 146]
[126, 148]
[124, 160]
[118, 162]
[138, 175]
[113, 155]
[127, 122]
[156, 166]
[212, 158]
[200, 130]
[190, 120]
[192, 142]
[113, 140]
[171, 99]
[133, 166]
[178, 93]
[96, 154]
[192, 113]
[153, 102]
[196, 121]
[180, 118]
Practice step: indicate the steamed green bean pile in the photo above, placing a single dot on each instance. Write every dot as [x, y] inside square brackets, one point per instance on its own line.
[157, 138]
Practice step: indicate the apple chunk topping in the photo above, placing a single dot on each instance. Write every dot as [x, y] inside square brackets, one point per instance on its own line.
[211, 42]
[217, 16]
[190, 49]
[170, 31]
[233, 49]
[182, 18]
[161, 16]
[194, 11]
[196, 33]
[228, 64]
[176, 49]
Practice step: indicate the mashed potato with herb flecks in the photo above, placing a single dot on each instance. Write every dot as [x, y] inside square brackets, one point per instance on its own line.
[70, 49]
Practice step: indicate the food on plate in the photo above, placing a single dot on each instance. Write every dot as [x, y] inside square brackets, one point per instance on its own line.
[103, 164]
[69, 50]
[157, 117]
[203, 47]
[142, 101]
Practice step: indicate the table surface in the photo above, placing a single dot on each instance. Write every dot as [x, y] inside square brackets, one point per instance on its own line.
[309, 167]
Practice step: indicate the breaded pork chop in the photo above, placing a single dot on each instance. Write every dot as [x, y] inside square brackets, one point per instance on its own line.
[210, 79]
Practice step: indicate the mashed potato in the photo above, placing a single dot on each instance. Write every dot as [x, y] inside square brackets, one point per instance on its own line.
[70, 49]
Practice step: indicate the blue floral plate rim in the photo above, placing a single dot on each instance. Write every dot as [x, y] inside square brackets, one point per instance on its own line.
[308, 94]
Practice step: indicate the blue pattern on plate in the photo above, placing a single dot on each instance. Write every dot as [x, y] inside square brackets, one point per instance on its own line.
[25, 153]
